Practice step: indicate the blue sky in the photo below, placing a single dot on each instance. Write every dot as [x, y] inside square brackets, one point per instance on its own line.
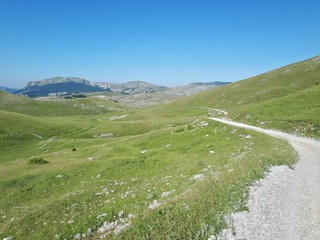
[166, 42]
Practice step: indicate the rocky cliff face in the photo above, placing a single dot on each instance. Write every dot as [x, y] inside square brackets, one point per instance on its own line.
[56, 86]
[194, 88]
[133, 87]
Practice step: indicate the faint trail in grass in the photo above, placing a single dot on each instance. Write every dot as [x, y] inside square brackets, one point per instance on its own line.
[284, 205]
[50, 140]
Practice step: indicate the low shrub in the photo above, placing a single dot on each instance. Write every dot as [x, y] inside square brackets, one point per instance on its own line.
[190, 127]
[79, 96]
[37, 161]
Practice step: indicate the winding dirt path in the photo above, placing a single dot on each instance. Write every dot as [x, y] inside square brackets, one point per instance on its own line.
[285, 205]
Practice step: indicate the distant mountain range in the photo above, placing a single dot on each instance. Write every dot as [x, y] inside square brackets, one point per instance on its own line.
[9, 90]
[132, 87]
[60, 86]
[194, 88]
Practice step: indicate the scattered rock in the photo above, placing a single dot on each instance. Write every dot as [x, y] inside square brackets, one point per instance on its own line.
[317, 59]
[120, 228]
[186, 206]
[126, 194]
[102, 215]
[115, 227]
[198, 177]
[121, 214]
[210, 152]
[8, 238]
[205, 170]
[165, 194]
[89, 232]
[103, 192]
[106, 227]
[203, 124]
[103, 135]
[154, 204]
[77, 236]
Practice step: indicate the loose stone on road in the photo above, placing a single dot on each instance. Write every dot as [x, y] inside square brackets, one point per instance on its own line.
[285, 205]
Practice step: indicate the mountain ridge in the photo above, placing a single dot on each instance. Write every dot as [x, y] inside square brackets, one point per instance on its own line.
[7, 89]
[68, 85]
[194, 88]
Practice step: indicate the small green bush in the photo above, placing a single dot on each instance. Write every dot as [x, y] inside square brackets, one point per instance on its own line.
[37, 161]
[190, 127]
[79, 96]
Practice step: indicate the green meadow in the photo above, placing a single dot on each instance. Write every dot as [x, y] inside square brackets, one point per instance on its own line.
[93, 168]
[166, 168]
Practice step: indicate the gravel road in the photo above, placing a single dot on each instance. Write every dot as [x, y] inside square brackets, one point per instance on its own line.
[285, 205]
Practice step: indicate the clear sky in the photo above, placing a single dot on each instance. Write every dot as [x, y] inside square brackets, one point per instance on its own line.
[166, 42]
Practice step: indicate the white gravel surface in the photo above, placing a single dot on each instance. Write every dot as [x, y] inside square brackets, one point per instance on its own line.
[285, 205]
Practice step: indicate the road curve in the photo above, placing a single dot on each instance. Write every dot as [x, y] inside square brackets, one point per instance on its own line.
[285, 205]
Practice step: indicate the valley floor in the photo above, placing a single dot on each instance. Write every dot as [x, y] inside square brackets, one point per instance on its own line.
[284, 205]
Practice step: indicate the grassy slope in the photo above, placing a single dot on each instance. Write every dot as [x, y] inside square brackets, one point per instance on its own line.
[19, 104]
[60, 199]
[284, 98]
[43, 205]
[38, 204]
[297, 113]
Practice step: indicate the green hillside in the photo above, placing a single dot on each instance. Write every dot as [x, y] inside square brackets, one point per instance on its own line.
[162, 172]
[270, 85]
[285, 99]
[57, 106]
[172, 170]
[297, 113]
